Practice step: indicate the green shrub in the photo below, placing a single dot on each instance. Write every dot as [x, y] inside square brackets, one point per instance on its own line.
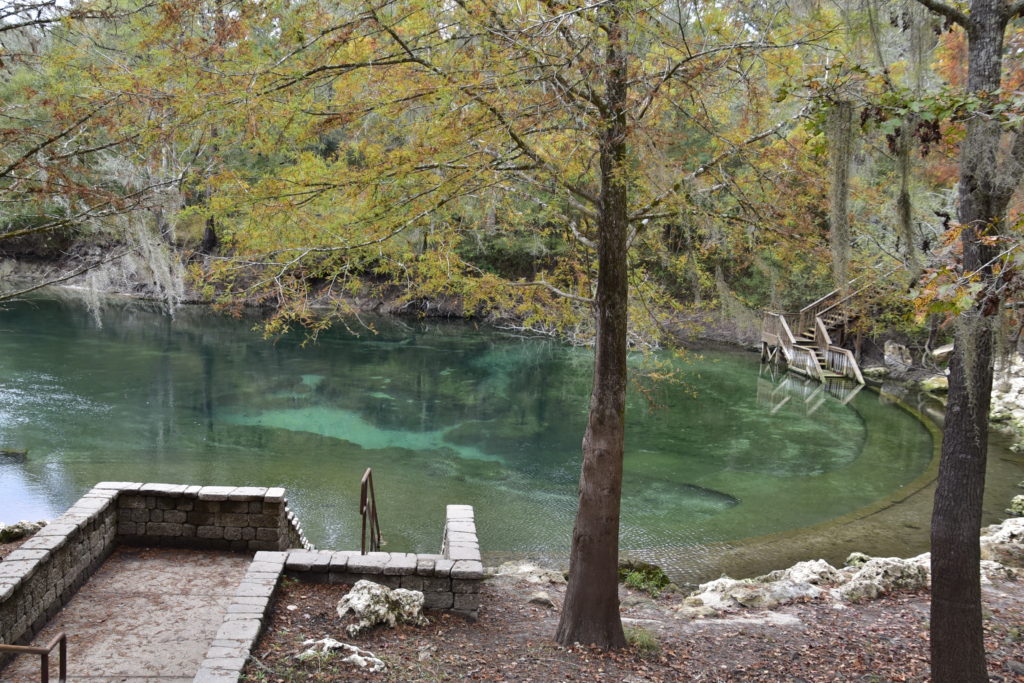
[643, 576]
[645, 642]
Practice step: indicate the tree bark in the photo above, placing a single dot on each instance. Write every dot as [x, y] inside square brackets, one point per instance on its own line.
[590, 613]
[957, 643]
[840, 134]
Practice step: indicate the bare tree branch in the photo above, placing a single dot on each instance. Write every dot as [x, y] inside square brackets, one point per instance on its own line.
[948, 11]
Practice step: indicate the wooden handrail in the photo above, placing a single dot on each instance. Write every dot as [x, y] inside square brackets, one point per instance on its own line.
[776, 327]
[61, 640]
[368, 511]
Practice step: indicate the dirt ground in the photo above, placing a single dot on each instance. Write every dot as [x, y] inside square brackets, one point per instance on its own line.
[882, 640]
[7, 548]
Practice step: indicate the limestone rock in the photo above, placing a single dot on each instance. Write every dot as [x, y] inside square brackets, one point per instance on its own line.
[12, 532]
[993, 570]
[942, 353]
[529, 572]
[374, 604]
[541, 598]
[726, 593]
[875, 372]
[882, 575]
[815, 572]
[329, 647]
[695, 612]
[1004, 543]
[856, 559]
[897, 356]
[936, 383]
[1017, 506]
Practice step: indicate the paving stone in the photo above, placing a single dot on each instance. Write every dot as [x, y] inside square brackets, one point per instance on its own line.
[245, 630]
[229, 663]
[236, 608]
[425, 564]
[268, 567]
[248, 493]
[401, 564]
[7, 587]
[270, 556]
[37, 555]
[459, 552]
[459, 512]
[163, 489]
[56, 530]
[339, 560]
[119, 485]
[456, 525]
[207, 675]
[274, 495]
[260, 602]
[254, 590]
[215, 492]
[443, 567]
[227, 653]
[192, 490]
[371, 563]
[301, 560]
[21, 570]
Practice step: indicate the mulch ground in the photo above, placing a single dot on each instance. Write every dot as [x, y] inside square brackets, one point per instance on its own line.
[882, 640]
[7, 548]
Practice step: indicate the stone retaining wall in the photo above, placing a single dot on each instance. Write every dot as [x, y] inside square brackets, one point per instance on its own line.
[449, 580]
[38, 578]
[244, 620]
[239, 518]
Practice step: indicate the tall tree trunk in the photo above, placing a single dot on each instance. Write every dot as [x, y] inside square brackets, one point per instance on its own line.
[957, 646]
[590, 613]
[840, 134]
[904, 205]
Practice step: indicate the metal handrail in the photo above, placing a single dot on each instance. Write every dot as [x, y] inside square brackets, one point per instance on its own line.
[60, 639]
[368, 511]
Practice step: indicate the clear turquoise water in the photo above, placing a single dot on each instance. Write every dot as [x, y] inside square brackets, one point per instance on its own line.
[443, 412]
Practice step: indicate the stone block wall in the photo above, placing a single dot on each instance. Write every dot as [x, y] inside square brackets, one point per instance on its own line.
[242, 518]
[449, 581]
[38, 578]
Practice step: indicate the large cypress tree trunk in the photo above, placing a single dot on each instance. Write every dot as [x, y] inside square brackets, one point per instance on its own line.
[957, 644]
[590, 613]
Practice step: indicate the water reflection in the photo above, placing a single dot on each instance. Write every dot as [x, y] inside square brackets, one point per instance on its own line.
[442, 412]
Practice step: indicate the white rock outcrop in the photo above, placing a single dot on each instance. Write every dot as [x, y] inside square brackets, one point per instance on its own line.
[529, 572]
[373, 604]
[1004, 542]
[12, 532]
[328, 647]
[881, 575]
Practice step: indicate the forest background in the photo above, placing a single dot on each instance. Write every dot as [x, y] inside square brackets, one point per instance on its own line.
[592, 171]
[297, 153]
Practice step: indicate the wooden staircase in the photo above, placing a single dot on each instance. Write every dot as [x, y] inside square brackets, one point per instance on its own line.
[811, 351]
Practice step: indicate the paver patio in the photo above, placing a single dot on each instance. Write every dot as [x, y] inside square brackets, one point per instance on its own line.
[145, 615]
